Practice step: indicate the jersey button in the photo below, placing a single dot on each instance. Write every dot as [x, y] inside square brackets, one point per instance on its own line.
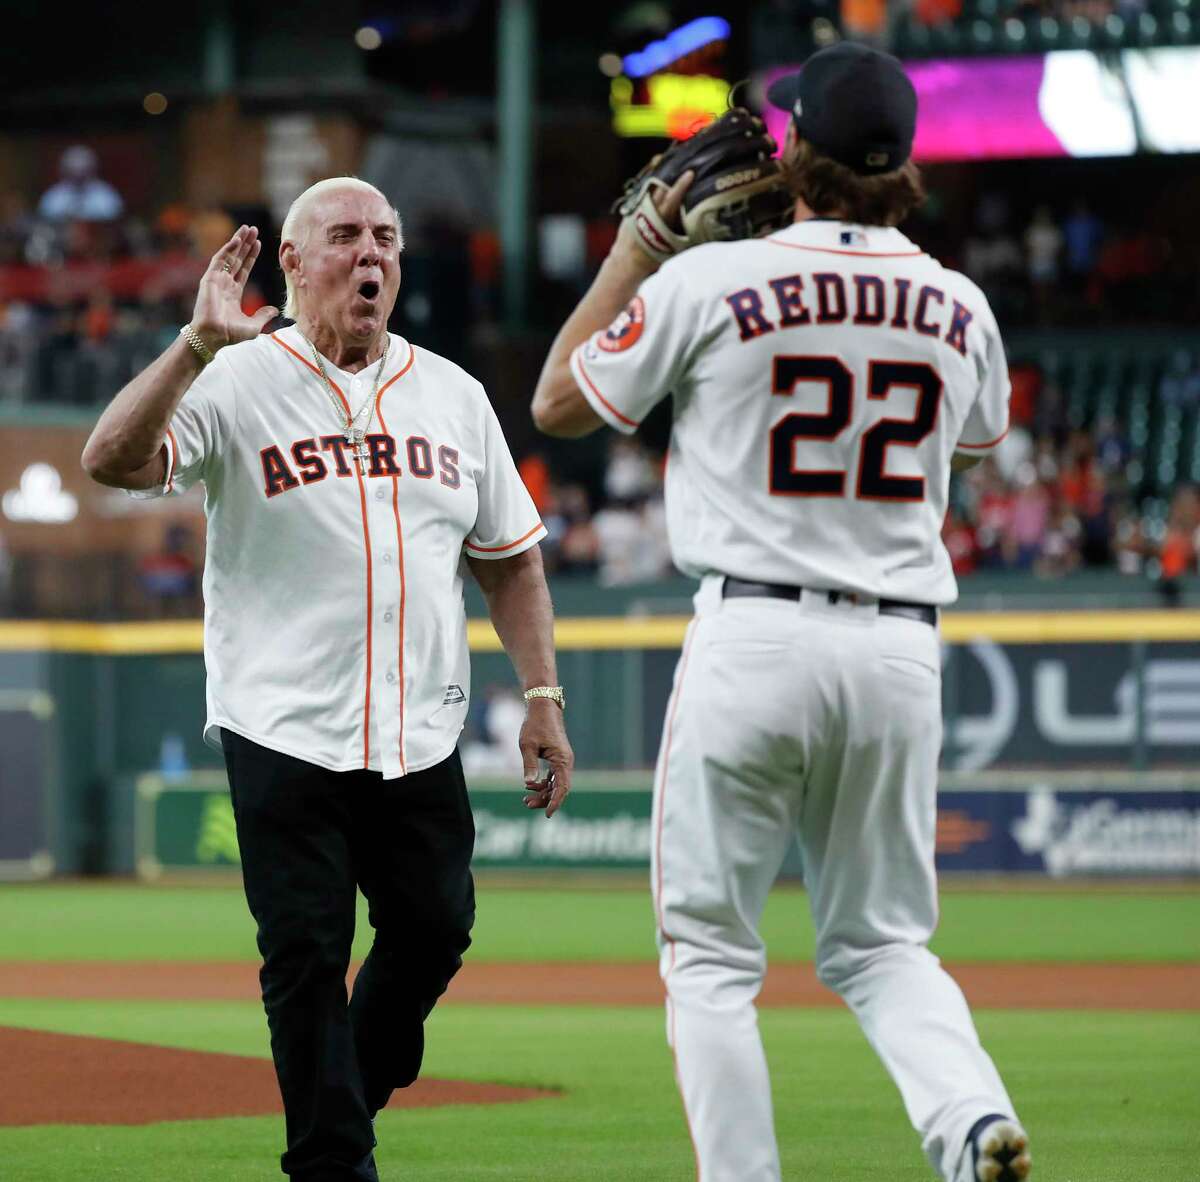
[380, 494]
[387, 556]
[391, 678]
[387, 617]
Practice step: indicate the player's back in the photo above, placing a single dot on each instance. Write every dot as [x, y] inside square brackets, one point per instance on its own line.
[830, 373]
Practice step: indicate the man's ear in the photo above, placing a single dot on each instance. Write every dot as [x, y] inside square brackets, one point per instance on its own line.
[289, 257]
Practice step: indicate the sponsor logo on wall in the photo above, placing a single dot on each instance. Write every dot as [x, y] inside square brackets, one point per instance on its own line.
[1069, 704]
[1107, 836]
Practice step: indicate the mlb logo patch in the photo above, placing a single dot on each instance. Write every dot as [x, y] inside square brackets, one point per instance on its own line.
[853, 238]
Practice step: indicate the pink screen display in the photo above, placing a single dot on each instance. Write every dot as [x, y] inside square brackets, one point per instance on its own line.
[969, 109]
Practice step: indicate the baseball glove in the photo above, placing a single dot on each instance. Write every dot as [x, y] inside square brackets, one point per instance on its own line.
[738, 191]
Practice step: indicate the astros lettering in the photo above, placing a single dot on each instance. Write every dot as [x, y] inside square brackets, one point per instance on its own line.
[308, 466]
[825, 299]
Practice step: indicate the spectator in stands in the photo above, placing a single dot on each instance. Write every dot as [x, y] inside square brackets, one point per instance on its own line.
[1129, 545]
[1043, 244]
[80, 194]
[1082, 234]
[168, 576]
[535, 475]
[959, 537]
[495, 751]
[1181, 382]
[993, 511]
[1113, 449]
[572, 546]
[1061, 543]
[16, 224]
[1177, 554]
[18, 349]
[1013, 453]
[1028, 521]
[630, 474]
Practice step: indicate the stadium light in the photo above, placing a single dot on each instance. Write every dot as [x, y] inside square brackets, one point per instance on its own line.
[658, 55]
[368, 38]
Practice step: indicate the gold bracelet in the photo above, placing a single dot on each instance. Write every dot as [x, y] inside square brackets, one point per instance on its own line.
[553, 692]
[194, 339]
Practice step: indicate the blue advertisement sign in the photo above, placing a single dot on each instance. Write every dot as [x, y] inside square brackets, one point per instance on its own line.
[1070, 832]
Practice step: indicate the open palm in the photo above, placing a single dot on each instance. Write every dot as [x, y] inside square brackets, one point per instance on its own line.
[218, 315]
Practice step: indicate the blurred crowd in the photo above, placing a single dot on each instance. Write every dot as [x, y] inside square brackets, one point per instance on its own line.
[1071, 266]
[90, 294]
[615, 533]
[932, 12]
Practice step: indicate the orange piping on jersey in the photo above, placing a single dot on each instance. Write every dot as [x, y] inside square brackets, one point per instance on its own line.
[983, 446]
[606, 402]
[400, 554]
[658, 905]
[172, 460]
[865, 254]
[508, 546]
[333, 385]
[412, 353]
[362, 502]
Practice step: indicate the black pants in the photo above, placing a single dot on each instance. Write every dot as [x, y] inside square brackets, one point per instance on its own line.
[308, 838]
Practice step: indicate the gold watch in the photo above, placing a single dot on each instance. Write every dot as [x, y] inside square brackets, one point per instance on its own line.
[553, 692]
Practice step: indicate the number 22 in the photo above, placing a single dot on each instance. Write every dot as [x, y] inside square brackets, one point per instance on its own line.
[874, 484]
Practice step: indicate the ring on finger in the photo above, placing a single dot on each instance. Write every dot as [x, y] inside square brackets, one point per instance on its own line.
[225, 266]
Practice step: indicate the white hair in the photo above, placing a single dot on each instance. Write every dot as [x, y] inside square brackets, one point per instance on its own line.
[296, 225]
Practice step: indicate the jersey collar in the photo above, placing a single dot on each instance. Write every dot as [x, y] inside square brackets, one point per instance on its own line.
[399, 355]
[833, 237]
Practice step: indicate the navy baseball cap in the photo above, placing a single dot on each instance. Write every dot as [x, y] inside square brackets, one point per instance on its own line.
[854, 104]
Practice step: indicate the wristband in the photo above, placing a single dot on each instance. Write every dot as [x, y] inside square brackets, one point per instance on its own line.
[553, 692]
[194, 339]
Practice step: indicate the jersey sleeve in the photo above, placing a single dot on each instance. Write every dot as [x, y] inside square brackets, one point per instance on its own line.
[199, 430]
[507, 520]
[987, 421]
[630, 366]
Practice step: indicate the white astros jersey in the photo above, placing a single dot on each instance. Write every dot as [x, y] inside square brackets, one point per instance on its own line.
[822, 379]
[334, 622]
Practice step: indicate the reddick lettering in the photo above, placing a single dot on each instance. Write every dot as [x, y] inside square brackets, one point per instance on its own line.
[867, 300]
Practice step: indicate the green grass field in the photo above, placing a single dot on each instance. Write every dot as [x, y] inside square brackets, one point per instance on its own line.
[1109, 1097]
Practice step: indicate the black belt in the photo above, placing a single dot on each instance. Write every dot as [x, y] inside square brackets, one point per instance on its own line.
[733, 588]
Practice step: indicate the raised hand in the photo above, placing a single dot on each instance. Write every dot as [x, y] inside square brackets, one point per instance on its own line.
[218, 317]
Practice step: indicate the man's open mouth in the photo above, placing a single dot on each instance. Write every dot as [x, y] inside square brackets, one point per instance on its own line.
[368, 290]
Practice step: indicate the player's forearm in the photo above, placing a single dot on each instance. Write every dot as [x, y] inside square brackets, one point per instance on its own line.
[130, 432]
[614, 286]
[519, 605]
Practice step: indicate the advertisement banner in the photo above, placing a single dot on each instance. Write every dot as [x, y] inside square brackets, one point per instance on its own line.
[1064, 826]
[1070, 704]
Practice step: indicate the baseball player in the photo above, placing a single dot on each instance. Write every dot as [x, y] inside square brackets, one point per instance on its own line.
[825, 379]
[349, 477]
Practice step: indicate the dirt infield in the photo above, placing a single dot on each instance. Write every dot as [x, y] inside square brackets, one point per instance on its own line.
[68, 1079]
[1002, 986]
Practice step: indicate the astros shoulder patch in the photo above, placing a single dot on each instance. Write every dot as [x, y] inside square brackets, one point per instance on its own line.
[625, 331]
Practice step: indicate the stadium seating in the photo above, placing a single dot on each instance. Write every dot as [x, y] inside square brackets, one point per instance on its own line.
[1006, 27]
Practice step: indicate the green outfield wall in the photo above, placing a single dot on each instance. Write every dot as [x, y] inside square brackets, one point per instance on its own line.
[85, 709]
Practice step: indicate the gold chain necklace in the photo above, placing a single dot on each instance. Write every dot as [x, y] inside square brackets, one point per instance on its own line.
[354, 431]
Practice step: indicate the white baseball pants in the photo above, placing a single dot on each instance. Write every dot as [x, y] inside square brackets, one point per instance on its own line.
[823, 721]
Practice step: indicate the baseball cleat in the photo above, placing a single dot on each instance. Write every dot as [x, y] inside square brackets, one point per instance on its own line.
[999, 1150]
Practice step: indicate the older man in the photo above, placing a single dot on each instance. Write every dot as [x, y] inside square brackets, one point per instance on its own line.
[348, 475]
